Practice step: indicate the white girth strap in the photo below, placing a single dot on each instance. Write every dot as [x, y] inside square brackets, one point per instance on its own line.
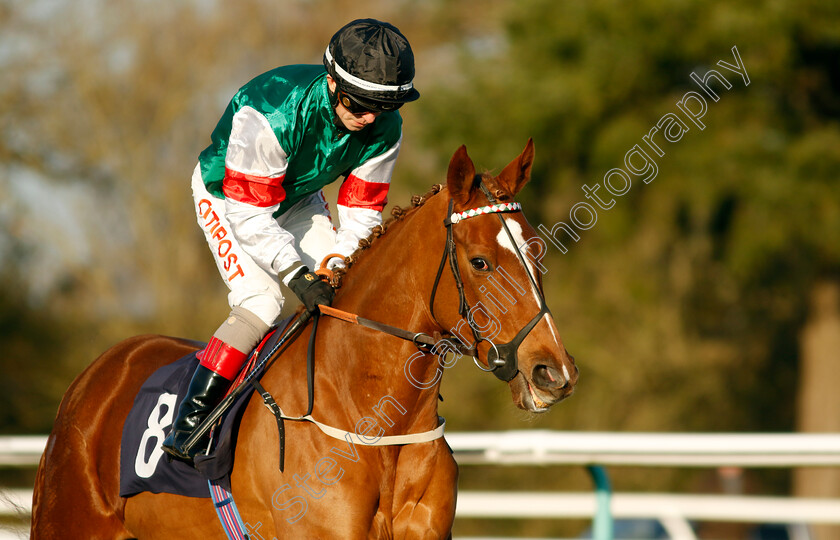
[388, 440]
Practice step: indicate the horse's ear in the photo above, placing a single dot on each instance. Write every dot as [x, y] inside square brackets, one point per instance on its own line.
[461, 176]
[517, 173]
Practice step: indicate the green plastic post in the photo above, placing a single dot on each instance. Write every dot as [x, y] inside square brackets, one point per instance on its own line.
[602, 523]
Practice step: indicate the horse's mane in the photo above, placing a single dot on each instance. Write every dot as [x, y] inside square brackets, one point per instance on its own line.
[397, 214]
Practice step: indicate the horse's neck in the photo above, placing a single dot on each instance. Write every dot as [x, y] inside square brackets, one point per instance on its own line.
[392, 281]
[360, 371]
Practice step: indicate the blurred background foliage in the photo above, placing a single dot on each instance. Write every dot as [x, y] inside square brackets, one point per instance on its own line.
[705, 300]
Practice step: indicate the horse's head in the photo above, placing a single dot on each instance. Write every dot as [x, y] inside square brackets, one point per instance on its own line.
[501, 304]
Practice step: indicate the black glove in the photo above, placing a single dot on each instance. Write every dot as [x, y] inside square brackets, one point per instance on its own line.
[311, 289]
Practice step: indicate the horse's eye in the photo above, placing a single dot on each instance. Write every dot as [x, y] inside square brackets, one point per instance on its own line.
[480, 264]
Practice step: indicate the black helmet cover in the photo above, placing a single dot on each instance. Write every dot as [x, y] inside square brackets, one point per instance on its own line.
[372, 60]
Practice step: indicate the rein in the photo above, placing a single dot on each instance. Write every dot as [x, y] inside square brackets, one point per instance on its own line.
[503, 360]
[418, 338]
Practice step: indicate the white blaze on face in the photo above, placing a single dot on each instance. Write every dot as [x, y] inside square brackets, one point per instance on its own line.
[504, 241]
[551, 326]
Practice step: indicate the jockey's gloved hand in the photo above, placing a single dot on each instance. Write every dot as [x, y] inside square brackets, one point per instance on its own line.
[311, 289]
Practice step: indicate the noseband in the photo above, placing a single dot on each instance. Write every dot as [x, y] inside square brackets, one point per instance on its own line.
[502, 359]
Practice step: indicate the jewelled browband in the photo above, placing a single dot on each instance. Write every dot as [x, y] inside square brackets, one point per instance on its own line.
[493, 208]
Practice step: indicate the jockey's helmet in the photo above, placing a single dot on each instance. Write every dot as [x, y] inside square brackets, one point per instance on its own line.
[372, 64]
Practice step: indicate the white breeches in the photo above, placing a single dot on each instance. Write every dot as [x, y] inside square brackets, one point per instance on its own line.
[251, 286]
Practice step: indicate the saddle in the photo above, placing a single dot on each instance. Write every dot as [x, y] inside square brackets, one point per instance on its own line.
[147, 424]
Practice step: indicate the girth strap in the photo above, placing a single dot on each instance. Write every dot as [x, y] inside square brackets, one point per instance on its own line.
[353, 438]
[349, 436]
[269, 402]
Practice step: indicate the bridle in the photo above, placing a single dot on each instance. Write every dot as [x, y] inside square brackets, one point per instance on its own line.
[502, 360]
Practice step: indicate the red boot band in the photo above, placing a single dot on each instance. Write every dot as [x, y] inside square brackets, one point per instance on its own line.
[221, 358]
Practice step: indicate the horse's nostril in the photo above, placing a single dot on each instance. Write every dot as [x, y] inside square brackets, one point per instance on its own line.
[548, 377]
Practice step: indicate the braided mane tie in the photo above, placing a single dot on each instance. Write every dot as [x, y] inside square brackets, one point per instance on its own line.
[493, 208]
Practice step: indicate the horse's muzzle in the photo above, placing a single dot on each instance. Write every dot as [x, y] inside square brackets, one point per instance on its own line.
[547, 383]
[548, 378]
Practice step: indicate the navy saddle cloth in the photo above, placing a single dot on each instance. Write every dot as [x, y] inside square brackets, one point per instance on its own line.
[144, 466]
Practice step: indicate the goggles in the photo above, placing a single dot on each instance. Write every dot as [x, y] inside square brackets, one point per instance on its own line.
[358, 106]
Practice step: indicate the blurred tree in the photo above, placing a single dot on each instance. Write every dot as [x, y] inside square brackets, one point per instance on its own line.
[29, 394]
[696, 328]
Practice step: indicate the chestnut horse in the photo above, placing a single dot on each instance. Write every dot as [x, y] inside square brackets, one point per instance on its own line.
[358, 491]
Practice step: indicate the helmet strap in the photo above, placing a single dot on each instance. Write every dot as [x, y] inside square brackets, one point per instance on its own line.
[333, 96]
[334, 110]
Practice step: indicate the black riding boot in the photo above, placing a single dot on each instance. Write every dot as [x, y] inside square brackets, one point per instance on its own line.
[206, 390]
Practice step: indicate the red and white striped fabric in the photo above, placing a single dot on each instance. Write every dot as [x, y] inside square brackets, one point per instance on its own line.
[362, 197]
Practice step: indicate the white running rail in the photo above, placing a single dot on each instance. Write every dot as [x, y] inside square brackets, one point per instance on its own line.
[544, 447]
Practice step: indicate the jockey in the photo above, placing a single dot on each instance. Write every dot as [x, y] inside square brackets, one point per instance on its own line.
[257, 190]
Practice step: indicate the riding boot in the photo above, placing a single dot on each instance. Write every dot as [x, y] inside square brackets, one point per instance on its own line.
[220, 363]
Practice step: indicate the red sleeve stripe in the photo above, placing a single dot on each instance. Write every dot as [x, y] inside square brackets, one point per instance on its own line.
[256, 190]
[357, 193]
